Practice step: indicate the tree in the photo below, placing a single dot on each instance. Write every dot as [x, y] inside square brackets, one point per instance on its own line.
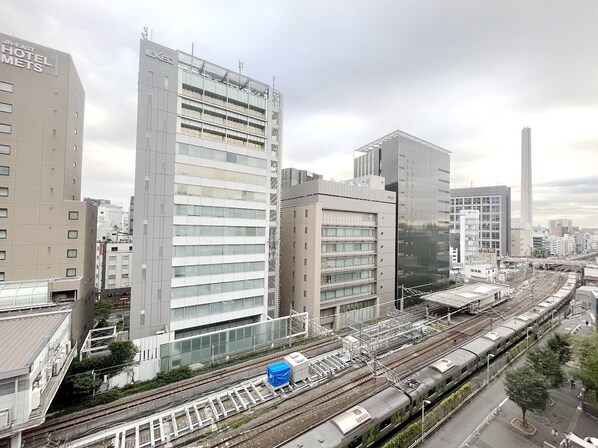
[528, 389]
[85, 384]
[102, 310]
[561, 345]
[122, 354]
[586, 353]
[546, 362]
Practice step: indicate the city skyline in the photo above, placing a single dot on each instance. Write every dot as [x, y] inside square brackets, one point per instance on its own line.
[465, 76]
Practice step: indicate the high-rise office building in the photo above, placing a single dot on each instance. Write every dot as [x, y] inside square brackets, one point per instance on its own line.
[207, 206]
[494, 205]
[526, 220]
[47, 233]
[419, 172]
[338, 251]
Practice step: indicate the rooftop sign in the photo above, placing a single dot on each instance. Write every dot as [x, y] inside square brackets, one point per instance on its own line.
[24, 56]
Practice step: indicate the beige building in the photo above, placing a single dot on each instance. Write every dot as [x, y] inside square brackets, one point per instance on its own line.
[338, 245]
[46, 231]
[521, 243]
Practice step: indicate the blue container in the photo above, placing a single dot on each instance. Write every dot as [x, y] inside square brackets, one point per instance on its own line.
[279, 374]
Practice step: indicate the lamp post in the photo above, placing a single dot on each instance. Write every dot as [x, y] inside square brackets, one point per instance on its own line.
[489, 356]
[527, 337]
[424, 403]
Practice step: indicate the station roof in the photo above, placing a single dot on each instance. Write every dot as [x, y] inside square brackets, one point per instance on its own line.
[22, 338]
[464, 295]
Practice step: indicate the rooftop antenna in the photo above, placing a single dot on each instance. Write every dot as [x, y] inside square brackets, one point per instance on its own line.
[471, 184]
[273, 80]
[144, 33]
[240, 67]
[192, 49]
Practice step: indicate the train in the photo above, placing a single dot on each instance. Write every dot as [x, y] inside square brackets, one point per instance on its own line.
[376, 417]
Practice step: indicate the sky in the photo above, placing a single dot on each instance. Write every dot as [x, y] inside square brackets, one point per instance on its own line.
[466, 75]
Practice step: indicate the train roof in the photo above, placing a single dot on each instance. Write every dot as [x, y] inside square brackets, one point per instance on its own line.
[349, 420]
[498, 333]
[479, 346]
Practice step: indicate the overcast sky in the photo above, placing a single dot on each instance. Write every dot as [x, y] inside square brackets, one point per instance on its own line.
[464, 75]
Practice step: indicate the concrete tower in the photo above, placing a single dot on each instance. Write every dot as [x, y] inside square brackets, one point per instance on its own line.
[526, 179]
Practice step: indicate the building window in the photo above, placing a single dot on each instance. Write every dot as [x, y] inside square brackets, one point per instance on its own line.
[71, 272]
[5, 107]
[73, 215]
[5, 128]
[306, 213]
[2, 255]
[73, 234]
[2, 234]
[3, 213]
[4, 149]
[1, 276]
[4, 191]
[7, 87]
[4, 171]
[71, 253]
[306, 230]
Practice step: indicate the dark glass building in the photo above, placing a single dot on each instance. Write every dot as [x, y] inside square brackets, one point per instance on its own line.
[419, 172]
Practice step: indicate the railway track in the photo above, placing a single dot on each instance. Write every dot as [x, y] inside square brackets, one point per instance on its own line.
[284, 425]
[113, 413]
[355, 389]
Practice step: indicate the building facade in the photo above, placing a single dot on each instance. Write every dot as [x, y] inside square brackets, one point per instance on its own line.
[46, 231]
[337, 251]
[113, 267]
[469, 232]
[293, 176]
[419, 172]
[494, 206]
[206, 215]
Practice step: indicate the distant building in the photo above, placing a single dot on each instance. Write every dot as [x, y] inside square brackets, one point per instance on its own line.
[494, 206]
[293, 176]
[47, 232]
[480, 272]
[560, 227]
[419, 173]
[469, 236]
[521, 242]
[338, 251]
[113, 266]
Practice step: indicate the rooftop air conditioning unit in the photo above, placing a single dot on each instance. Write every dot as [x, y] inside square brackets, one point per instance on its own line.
[4, 418]
[36, 395]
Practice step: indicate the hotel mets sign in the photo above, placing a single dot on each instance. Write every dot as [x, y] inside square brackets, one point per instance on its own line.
[24, 56]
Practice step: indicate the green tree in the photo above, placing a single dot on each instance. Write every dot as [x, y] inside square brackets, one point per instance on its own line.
[561, 345]
[586, 354]
[528, 389]
[122, 354]
[546, 362]
[85, 384]
[102, 310]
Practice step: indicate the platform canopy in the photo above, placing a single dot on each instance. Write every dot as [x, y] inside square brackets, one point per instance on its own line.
[465, 295]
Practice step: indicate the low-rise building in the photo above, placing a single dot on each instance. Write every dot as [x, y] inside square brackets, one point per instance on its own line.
[36, 353]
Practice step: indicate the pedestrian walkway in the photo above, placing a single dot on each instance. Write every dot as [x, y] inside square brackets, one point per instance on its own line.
[564, 416]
